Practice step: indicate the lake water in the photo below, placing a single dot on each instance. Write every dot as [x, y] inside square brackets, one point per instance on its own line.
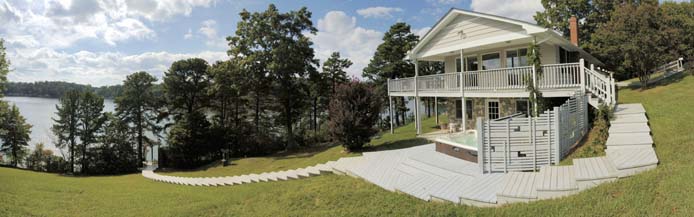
[39, 112]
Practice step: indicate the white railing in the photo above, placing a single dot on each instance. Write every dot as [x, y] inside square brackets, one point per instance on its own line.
[560, 76]
[600, 85]
[401, 84]
[555, 76]
[498, 79]
[674, 66]
[449, 82]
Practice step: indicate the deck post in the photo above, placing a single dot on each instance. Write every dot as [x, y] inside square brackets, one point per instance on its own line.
[416, 99]
[436, 109]
[583, 75]
[535, 113]
[614, 90]
[390, 111]
[462, 91]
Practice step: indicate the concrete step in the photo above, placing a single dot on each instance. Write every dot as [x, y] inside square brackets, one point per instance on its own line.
[629, 139]
[631, 161]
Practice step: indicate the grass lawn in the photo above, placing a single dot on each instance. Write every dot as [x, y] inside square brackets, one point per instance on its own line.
[665, 191]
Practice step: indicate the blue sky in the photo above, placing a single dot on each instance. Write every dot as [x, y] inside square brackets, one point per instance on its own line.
[100, 42]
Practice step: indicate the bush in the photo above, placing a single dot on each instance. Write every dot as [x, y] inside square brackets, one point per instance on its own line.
[354, 112]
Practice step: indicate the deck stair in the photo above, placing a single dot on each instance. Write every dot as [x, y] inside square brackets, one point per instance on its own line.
[423, 173]
[556, 181]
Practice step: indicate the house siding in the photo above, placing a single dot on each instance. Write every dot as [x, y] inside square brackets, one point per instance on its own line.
[474, 28]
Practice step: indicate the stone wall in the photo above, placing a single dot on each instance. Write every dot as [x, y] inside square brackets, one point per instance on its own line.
[507, 106]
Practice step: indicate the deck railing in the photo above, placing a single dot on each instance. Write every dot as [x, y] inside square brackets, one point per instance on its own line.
[554, 76]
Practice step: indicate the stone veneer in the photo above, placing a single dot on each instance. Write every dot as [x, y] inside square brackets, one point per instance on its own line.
[507, 106]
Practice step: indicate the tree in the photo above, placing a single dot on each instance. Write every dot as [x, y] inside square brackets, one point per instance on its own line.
[632, 41]
[388, 62]
[185, 85]
[354, 111]
[67, 123]
[138, 106]
[14, 133]
[189, 139]
[115, 154]
[4, 67]
[39, 159]
[91, 120]
[678, 21]
[557, 13]
[334, 70]
[226, 92]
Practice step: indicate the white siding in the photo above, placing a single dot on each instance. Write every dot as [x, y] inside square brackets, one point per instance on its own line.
[549, 54]
[473, 28]
[450, 64]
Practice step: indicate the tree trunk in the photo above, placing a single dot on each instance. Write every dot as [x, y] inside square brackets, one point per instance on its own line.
[288, 123]
[139, 139]
[257, 113]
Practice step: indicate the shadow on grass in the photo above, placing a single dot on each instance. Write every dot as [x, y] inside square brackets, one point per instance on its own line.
[662, 82]
[400, 144]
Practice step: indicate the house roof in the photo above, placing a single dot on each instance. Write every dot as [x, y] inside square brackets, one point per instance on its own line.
[531, 29]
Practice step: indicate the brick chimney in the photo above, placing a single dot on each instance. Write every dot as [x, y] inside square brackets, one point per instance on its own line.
[573, 30]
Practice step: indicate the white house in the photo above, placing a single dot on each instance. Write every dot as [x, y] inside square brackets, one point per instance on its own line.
[486, 66]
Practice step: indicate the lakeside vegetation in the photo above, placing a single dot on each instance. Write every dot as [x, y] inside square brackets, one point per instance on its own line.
[657, 192]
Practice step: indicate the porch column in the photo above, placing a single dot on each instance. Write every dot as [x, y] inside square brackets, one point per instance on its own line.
[417, 117]
[581, 70]
[390, 112]
[462, 90]
[535, 112]
[436, 109]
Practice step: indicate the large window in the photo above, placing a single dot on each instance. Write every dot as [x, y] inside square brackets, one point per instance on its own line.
[493, 109]
[517, 58]
[522, 106]
[468, 109]
[471, 64]
[491, 61]
[459, 109]
[568, 56]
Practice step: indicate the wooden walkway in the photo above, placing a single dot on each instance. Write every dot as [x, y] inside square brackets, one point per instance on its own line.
[431, 176]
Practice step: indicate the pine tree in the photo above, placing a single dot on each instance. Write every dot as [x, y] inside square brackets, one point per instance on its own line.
[91, 121]
[139, 106]
[14, 134]
[67, 123]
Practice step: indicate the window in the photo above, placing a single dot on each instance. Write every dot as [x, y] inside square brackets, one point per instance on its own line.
[493, 110]
[568, 56]
[471, 63]
[517, 58]
[459, 109]
[491, 61]
[468, 109]
[522, 106]
[457, 65]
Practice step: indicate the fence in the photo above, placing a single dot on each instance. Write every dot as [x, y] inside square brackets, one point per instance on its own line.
[526, 143]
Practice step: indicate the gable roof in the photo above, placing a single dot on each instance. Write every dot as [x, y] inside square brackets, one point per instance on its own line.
[530, 29]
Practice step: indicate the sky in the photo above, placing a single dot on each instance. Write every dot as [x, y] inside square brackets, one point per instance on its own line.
[99, 42]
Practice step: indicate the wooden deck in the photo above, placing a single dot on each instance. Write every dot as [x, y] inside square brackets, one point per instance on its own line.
[432, 176]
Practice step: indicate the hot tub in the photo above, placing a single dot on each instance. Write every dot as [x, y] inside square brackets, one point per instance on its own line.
[459, 145]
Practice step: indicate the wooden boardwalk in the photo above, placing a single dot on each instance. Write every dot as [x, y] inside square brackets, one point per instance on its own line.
[431, 176]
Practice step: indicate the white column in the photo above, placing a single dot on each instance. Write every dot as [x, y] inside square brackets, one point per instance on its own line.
[390, 111]
[436, 109]
[583, 75]
[535, 112]
[417, 117]
[462, 90]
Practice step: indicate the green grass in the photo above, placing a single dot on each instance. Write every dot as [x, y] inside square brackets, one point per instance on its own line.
[665, 191]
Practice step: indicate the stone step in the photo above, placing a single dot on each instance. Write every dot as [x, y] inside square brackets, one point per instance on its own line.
[629, 139]
[631, 161]
[629, 128]
[629, 118]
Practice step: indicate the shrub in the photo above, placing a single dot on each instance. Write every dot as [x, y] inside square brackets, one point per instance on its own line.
[354, 112]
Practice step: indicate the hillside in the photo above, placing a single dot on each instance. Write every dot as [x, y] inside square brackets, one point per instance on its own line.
[665, 191]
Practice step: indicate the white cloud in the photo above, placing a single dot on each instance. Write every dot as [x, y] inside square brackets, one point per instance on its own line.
[208, 28]
[339, 32]
[102, 68]
[421, 32]
[378, 12]
[61, 23]
[517, 9]
[188, 34]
